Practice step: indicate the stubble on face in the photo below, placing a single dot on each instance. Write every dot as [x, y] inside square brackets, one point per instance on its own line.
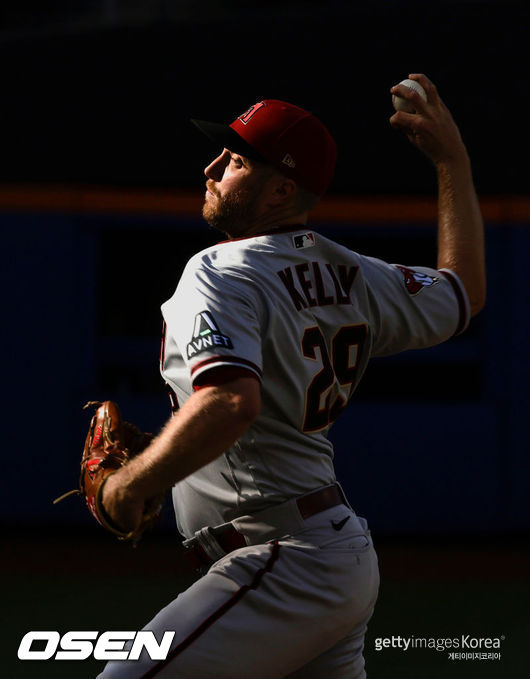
[238, 210]
[234, 212]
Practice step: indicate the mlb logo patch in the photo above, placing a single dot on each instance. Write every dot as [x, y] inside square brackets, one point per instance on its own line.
[304, 240]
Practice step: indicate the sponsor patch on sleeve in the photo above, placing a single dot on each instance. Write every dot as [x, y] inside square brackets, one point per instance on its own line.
[206, 335]
[415, 281]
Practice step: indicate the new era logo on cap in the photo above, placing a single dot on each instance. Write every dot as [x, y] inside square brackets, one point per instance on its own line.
[288, 160]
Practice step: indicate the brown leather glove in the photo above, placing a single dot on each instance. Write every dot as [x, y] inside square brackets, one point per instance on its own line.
[109, 445]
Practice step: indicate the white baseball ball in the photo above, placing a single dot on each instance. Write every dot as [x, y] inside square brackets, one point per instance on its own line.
[401, 104]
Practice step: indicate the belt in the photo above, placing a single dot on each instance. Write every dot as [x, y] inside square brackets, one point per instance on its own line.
[210, 544]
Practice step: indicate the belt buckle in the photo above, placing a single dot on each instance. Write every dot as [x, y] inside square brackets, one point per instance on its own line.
[196, 556]
[189, 543]
[204, 545]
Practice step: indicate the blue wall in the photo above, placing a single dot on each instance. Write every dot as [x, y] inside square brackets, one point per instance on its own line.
[434, 442]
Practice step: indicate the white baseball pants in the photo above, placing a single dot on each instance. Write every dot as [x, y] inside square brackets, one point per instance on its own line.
[294, 608]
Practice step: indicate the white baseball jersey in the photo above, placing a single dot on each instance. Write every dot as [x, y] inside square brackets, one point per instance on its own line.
[304, 315]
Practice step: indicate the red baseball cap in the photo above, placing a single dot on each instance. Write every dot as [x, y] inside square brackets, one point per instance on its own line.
[290, 139]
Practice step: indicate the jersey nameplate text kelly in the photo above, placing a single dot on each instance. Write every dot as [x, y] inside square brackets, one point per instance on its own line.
[313, 286]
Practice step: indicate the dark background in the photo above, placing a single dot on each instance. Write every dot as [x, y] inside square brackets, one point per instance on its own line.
[102, 91]
[434, 446]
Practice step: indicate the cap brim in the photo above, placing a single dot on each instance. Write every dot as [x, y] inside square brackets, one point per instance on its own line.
[228, 138]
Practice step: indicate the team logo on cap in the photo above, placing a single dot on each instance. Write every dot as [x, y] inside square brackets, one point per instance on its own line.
[289, 161]
[245, 118]
[206, 335]
[415, 281]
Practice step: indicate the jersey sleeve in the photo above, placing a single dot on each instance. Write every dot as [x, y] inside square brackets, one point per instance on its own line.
[413, 307]
[214, 317]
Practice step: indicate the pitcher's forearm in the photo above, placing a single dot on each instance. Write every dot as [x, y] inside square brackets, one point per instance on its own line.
[208, 424]
[461, 228]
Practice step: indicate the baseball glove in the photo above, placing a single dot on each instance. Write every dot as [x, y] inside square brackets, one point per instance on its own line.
[109, 445]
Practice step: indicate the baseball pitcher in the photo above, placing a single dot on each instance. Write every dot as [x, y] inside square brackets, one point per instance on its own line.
[265, 340]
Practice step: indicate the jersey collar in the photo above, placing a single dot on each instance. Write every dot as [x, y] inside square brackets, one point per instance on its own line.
[271, 232]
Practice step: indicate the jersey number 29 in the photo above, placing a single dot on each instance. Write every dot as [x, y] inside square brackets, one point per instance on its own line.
[339, 365]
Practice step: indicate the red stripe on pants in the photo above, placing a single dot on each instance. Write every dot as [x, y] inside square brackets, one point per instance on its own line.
[216, 614]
